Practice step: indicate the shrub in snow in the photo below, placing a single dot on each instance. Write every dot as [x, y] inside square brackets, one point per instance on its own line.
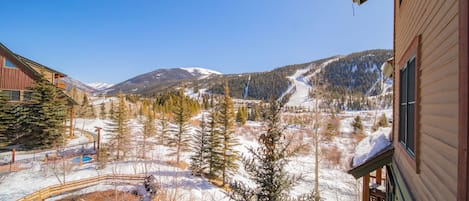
[371, 145]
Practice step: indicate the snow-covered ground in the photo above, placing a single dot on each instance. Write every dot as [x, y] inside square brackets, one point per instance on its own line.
[334, 182]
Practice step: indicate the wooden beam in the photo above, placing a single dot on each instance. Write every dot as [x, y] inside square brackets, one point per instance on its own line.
[463, 163]
[378, 176]
[71, 120]
[366, 188]
[13, 153]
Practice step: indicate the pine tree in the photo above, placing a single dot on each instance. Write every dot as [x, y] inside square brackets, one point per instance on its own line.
[200, 148]
[111, 111]
[47, 114]
[118, 127]
[254, 116]
[226, 122]
[102, 113]
[266, 167]
[242, 115]
[214, 144]
[180, 139]
[18, 129]
[5, 119]
[149, 130]
[163, 137]
[357, 125]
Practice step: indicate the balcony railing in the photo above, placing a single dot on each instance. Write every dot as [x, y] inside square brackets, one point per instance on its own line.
[61, 85]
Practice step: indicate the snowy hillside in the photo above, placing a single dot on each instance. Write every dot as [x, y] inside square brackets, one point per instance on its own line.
[100, 86]
[201, 72]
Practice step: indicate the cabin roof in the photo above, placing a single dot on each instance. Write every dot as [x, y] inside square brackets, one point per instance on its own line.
[37, 65]
[381, 159]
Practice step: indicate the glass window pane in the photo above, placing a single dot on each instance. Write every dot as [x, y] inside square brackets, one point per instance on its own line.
[9, 64]
[403, 86]
[27, 95]
[411, 81]
[402, 123]
[410, 127]
[15, 95]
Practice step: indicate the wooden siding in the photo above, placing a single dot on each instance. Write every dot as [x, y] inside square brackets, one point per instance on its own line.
[47, 74]
[14, 78]
[437, 128]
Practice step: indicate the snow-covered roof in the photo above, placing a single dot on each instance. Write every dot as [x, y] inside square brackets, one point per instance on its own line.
[370, 146]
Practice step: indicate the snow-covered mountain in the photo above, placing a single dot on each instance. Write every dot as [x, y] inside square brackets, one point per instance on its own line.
[161, 79]
[73, 83]
[100, 86]
[201, 72]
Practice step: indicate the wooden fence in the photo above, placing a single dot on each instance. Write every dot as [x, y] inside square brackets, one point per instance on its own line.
[78, 184]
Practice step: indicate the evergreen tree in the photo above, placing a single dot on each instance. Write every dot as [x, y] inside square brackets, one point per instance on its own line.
[149, 129]
[267, 165]
[255, 113]
[111, 111]
[5, 119]
[214, 144]
[18, 129]
[118, 127]
[46, 116]
[200, 147]
[180, 139]
[226, 122]
[242, 115]
[163, 137]
[357, 124]
[102, 113]
[382, 122]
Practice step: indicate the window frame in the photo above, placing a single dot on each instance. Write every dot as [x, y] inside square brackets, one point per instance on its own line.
[23, 95]
[412, 52]
[406, 103]
[9, 93]
[9, 61]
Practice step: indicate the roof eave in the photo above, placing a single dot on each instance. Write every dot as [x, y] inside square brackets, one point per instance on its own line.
[381, 159]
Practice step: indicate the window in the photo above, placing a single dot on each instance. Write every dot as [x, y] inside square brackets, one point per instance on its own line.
[12, 95]
[9, 64]
[27, 95]
[407, 107]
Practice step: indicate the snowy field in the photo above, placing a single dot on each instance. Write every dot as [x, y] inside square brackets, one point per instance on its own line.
[334, 182]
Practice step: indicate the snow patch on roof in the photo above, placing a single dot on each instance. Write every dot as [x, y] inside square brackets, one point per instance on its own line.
[370, 146]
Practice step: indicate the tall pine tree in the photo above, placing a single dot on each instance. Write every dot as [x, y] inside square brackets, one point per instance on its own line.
[5, 119]
[118, 127]
[266, 167]
[200, 148]
[46, 116]
[214, 143]
[179, 139]
[229, 156]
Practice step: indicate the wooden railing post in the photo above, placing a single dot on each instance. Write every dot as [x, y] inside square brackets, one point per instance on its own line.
[366, 188]
[71, 120]
[13, 153]
[378, 176]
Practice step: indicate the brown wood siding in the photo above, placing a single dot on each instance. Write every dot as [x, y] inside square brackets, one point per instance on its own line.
[437, 23]
[47, 74]
[463, 187]
[14, 78]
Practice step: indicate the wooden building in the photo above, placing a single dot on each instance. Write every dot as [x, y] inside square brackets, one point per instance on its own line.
[18, 74]
[430, 72]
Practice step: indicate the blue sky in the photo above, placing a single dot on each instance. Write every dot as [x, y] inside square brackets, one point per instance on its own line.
[114, 40]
